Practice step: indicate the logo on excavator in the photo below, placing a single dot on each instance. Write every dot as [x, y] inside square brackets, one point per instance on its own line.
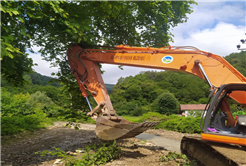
[167, 59]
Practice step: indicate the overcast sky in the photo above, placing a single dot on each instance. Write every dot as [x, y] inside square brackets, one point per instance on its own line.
[215, 27]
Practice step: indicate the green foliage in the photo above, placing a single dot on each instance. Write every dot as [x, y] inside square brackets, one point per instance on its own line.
[195, 113]
[145, 88]
[181, 124]
[167, 104]
[132, 118]
[178, 158]
[152, 116]
[173, 122]
[93, 154]
[238, 60]
[14, 124]
[39, 100]
[238, 113]
[55, 25]
[13, 105]
[25, 112]
[133, 108]
[38, 79]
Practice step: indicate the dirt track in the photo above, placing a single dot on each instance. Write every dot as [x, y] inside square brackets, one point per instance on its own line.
[21, 149]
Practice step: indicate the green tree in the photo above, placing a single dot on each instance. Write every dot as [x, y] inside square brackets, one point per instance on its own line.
[238, 60]
[167, 104]
[55, 25]
[28, 78]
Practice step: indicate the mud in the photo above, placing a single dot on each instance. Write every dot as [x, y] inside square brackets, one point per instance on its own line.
[20, 149]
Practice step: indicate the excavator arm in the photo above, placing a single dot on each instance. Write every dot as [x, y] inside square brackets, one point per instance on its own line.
[84, 65]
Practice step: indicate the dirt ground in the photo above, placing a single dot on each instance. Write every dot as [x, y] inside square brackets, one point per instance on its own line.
[20, 150]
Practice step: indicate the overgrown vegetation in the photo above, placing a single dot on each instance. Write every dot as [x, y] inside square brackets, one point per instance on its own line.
[238, 60]
[92, 154]
[157, 91]
[172, 122]
[178, 158]
[14, 124]
[36, 105]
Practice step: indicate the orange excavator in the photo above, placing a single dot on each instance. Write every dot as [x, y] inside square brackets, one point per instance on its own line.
[218, 124]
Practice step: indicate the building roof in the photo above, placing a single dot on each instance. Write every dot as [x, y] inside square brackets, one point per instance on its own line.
[187, 107]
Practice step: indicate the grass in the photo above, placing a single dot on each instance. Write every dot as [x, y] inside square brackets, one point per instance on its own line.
[132, 118]
[94, 154]
[172, 122]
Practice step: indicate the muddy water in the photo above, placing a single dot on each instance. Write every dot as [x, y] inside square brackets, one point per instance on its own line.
[169, 144]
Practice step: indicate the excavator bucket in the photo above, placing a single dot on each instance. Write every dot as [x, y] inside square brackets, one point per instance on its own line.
[88, 75]
[111, 130]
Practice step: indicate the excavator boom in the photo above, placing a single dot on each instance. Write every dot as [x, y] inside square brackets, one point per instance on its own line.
[84, 65]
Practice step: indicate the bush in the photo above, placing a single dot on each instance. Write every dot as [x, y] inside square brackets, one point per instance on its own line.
[14, 124]
[152, 116]
[40, 100]
[238, 113]
[174, 122]
[167, 104]
[133, 108]
[178, 158]
[181, 124]
[93, 155]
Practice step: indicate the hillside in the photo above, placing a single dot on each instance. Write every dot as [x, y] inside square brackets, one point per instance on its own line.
[137, 95]
[238, 60]
[42, 80]
[109, 87]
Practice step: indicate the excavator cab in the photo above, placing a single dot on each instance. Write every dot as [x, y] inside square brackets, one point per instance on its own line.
[219, 123]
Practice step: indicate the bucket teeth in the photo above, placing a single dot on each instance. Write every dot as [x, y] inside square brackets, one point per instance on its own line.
[110, 130]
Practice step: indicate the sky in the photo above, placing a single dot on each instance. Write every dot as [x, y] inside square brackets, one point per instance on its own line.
[214, 26]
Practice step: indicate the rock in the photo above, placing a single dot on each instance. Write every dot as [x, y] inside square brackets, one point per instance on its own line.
[68, 152]
[149, 144]
[58, 161]
[79, 151]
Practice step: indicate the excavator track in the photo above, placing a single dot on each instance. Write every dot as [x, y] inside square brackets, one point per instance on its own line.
[212, 153]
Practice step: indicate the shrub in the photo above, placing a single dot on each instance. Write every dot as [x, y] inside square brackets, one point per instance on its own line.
[93, 155]
[39, 99]
[178, 158]
[181, 124]
[174, 122]
[167, 104]
[14, 124]
[152, 116]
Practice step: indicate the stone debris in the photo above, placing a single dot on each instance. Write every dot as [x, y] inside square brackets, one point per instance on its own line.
[79, 151]
[71, 153]
[58, 161]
